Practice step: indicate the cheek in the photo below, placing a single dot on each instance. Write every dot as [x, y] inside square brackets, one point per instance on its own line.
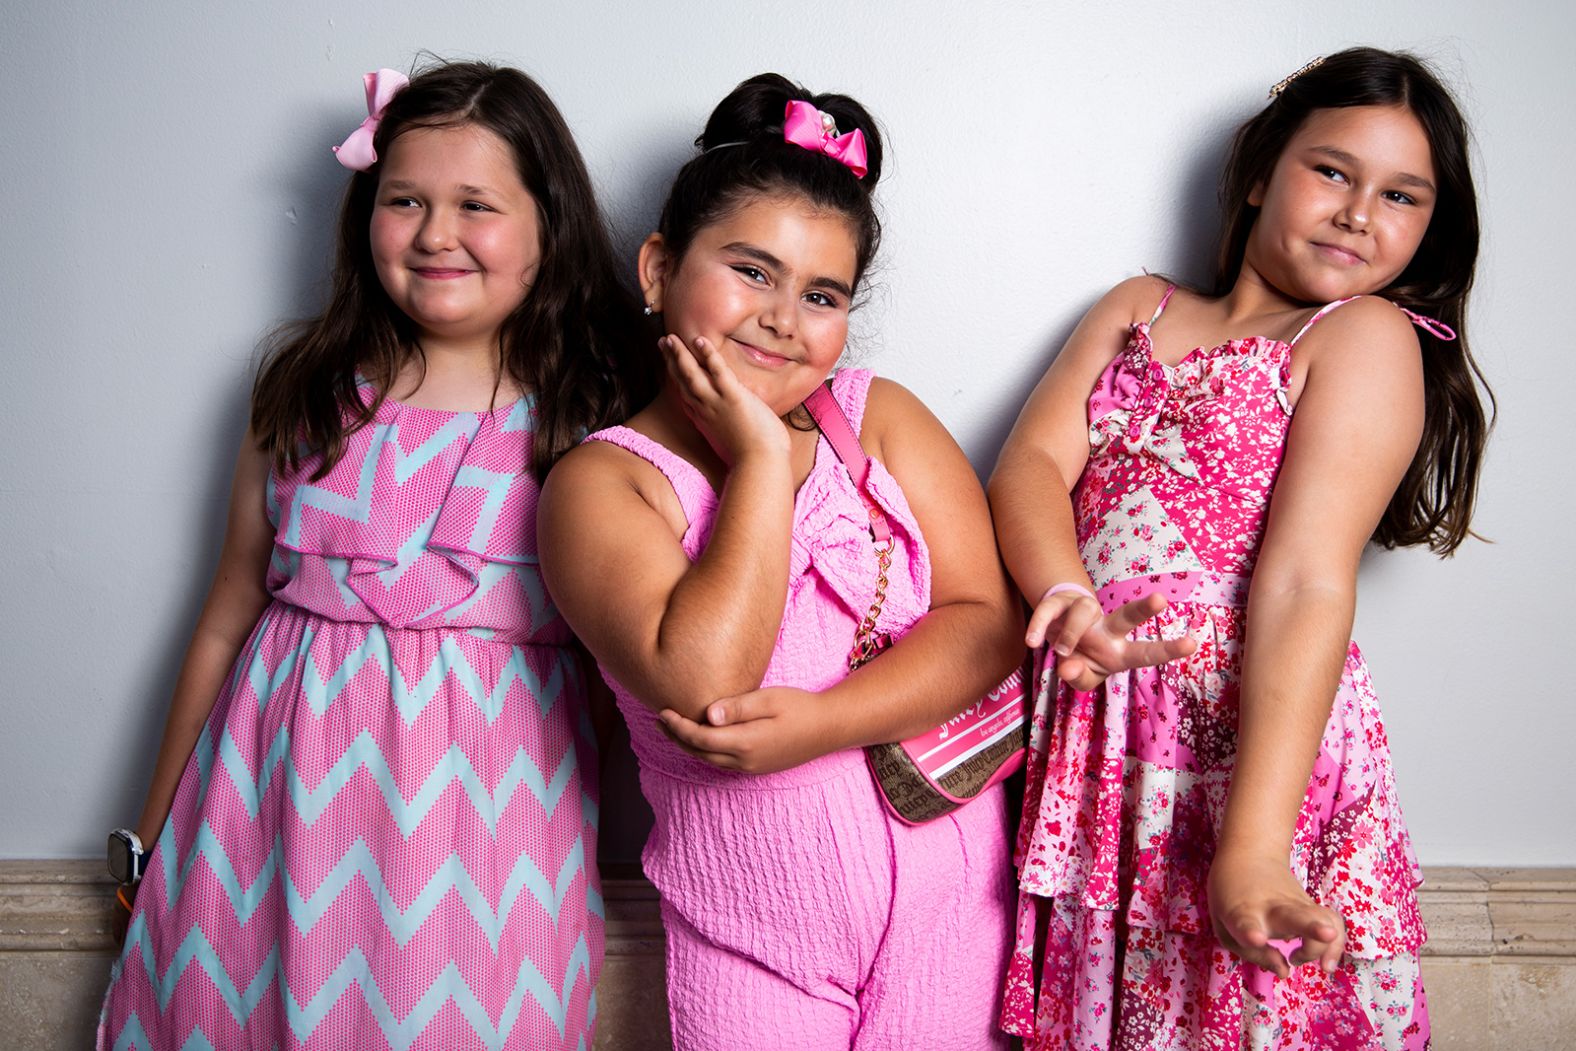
[388, 239]
[827, 337]
[700, 305]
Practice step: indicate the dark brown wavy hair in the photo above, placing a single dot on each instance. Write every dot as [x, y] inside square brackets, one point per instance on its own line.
[1434, 502]
[576, 341]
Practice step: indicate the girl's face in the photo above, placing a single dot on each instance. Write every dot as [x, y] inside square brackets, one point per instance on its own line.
[455, 234]
[1345, 206]
[769, 285]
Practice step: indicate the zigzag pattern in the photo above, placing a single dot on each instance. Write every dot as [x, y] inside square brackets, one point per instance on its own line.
[386, 807]
[310, 803]
[410, 700]
[353, 971]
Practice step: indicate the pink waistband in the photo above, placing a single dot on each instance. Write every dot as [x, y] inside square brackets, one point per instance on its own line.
[1200, 587]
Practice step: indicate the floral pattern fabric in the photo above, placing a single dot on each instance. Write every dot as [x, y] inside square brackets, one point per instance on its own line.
[1127, 785]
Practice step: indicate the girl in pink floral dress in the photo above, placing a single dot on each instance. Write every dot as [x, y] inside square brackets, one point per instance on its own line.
[1212, 853]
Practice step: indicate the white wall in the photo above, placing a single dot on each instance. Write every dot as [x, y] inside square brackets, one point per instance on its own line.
[167, 195]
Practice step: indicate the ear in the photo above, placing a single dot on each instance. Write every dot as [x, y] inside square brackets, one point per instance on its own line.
[1256, 195]
[655, 264]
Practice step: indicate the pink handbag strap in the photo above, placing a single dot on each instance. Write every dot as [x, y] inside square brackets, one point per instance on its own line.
[839, 434]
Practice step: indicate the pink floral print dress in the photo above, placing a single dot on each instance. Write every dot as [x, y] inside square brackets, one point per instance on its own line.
[1127, 784]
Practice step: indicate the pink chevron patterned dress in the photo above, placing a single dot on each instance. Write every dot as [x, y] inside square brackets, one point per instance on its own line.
[1127, 785]
[386, 835]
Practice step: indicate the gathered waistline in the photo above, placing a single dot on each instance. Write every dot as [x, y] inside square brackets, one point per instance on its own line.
[476, 631]
[1200, 587]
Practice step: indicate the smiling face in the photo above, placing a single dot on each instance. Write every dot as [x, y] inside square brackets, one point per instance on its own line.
[455, 235]
[1345, 206]
[770, 285]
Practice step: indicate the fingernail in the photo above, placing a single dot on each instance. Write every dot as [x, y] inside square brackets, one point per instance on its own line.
[1062, 651]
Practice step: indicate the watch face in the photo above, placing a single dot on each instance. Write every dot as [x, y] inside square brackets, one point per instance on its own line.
[120, 859]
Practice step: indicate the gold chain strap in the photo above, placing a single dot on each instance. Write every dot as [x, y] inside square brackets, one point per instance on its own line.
[866, 644]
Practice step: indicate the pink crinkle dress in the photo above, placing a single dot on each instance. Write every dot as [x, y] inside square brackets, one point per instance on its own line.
[1127, 785]
[386, 835]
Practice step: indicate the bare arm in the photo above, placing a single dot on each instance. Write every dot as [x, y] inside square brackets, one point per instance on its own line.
[1356, 427]
[235, 602]
[1030, 500]
[678, 634]
[965, 645]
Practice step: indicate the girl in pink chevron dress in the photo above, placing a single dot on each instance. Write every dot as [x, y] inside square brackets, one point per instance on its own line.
[373, 817]
[716, 557]
[1212, 853]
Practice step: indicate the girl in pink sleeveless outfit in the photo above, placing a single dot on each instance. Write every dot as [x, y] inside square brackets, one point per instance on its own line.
[1212, 852]
[373, 816]
[716, 558]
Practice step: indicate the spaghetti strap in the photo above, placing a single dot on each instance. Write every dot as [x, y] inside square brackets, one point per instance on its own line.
[1438, 329]
[1317, 315]
[1163, 301]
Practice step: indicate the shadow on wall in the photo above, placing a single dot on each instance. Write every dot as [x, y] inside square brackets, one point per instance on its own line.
[305, 257]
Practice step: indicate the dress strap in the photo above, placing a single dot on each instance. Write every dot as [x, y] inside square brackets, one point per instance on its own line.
[694, 492]
[1438, 329]
[1319, 314]
[1163, 301]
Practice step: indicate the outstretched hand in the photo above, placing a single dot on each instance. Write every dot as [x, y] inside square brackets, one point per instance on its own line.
[1091, 644]
[1260, 911]
[760, 732]
[731, 416]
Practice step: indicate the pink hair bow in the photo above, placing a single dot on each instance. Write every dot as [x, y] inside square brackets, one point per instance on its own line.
[356, 152]
[806, 126]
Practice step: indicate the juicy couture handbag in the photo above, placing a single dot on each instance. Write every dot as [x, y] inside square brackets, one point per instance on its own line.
[933, 774]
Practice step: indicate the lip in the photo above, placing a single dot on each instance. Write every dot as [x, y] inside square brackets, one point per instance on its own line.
[436, 273]
[1338, 255]
[762, 357]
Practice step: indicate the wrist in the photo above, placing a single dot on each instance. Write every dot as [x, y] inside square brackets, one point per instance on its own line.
[127, 858]
[1065, 586]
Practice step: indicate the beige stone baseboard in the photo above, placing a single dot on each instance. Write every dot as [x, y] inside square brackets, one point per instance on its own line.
[1501, 966]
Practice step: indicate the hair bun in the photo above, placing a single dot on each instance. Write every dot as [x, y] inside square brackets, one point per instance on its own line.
[753, 113]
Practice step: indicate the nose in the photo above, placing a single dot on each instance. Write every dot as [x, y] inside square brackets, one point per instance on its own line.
[437, 231]
[780, 312]
[1353, 215]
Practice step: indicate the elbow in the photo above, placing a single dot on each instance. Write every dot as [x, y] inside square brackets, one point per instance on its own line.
[690, 687]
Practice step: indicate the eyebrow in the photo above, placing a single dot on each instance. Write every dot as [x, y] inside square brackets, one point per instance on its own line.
[1404, 178]
[763, 256]
[466, 189]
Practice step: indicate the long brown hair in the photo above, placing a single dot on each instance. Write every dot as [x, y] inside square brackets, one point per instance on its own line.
[575, 341]
[1434, 502]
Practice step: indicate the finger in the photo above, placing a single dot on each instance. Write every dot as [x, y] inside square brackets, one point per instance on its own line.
[1075, 672]
[712, 363]
[1330, 957]
[1250, 944]
[692, 377]
[730, 711]
[1320, 932]
[1130, 615]
[1081, 616]
[1267, 957]
[1149, 653]
[1044, 615]
[687, 735]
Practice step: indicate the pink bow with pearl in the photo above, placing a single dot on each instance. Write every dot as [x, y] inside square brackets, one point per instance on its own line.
[806, 126]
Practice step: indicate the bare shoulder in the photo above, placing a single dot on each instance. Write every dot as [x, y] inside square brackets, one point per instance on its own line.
[606, 480]
[1371, 329]
[892, 409]
[1133, 300]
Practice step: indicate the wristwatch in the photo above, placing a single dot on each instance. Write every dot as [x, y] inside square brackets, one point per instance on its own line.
[126, 856]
